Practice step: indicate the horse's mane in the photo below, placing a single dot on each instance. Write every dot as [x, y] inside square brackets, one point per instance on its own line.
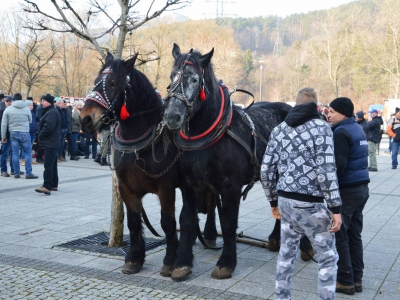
[119, 73]
[211, 81]
[141, 86]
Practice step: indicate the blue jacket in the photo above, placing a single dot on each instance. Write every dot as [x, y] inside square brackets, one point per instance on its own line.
[33, 126]
[351, 153]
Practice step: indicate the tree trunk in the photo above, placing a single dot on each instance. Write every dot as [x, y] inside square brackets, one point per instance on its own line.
[117, 215]
[117, 208]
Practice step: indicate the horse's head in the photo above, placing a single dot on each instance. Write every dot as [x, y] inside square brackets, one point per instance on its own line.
[192, 83]
[103, 104]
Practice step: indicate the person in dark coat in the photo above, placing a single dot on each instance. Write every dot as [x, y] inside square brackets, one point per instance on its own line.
[39, 112]
[374, 138]
[49, 140]
[60, 105]
[362, 122]
[351, 157]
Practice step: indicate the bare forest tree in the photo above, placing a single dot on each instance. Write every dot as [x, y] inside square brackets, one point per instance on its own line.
[333, 49]
[10, 36]
[386, 54]
[35, 55]
[82, 23]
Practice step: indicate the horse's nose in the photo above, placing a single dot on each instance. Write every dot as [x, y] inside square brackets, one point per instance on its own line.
[172, 120]
[87, 124]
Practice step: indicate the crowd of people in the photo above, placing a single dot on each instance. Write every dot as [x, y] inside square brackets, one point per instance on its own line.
[52, 129]
[315, 173]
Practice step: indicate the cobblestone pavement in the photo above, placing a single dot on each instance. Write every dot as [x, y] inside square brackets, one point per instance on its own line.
[32, 266]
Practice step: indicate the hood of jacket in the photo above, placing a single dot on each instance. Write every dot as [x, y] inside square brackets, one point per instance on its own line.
[19, 104]
[301, 114]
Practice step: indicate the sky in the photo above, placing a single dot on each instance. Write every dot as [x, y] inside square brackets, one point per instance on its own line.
[207, 9]
[200, 9]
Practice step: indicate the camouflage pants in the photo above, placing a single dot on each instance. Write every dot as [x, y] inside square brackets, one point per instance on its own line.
[300, 218]
[104, 146]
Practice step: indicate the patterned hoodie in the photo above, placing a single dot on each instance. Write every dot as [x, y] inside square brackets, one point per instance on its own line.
[299, 161]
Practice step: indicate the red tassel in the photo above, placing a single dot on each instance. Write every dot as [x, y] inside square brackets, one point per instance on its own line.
[124, 113]
[202, 94]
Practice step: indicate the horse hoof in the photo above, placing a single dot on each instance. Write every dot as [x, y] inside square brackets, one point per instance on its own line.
[211, 243]
[166, 271]
[308, 255]
[273, 245]
[221, 273]
[180, 273]
[131, 267]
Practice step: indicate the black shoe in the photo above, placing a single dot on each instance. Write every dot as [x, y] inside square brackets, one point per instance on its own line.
[17, 176]
[40, 161]
[86, 157]
[358, 287]
[31, 176]
[394, 167]
[104, 161]
[373, 169]
[20, 173]
[98, 158]
[345, 289]
[74, 158]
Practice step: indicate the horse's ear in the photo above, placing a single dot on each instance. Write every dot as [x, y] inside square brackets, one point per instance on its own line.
[130, 63]
[109, 58]
[206, 58]
[176, 51]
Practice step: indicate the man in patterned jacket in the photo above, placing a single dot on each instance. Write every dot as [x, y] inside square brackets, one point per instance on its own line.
[298, 173]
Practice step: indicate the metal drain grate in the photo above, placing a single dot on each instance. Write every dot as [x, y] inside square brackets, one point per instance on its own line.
[98, 243]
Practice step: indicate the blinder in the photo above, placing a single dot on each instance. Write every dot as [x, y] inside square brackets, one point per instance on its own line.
[109, 115]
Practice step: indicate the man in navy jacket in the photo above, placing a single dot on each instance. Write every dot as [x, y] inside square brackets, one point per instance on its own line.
[351, 156]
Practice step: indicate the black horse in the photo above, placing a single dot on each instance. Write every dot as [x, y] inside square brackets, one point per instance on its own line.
[225, 147]
[144, 160]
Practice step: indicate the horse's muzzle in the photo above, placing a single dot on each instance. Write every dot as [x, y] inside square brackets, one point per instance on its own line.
[173, 121]
[87, 124]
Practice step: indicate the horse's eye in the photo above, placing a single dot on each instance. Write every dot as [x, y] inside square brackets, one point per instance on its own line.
[112, 84]
[194, 80]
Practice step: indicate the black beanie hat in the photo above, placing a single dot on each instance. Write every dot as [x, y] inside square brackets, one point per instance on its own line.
[344, 106]
[49, 98]
[17, 96]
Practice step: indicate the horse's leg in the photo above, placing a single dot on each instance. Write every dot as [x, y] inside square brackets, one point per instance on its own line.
[306, 249]
[210, 228]
[274, 238]
[168, 224]
[187, 221]
[229, 223]
[134, 259]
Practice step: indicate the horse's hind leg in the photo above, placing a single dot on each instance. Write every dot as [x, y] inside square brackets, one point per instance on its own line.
[210, 228]
[229, 223]
[134, 259]
[275, 237]
[168, 224]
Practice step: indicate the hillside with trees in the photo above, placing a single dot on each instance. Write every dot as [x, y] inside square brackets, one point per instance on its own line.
[351, 50]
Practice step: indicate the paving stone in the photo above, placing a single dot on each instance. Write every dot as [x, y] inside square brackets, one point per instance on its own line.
[31, 268]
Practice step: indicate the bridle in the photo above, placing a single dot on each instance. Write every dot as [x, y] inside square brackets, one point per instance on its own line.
[177, 81]
[109, 105]
[105, 101]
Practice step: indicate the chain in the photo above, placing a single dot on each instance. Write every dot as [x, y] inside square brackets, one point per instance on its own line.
[163, 172]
